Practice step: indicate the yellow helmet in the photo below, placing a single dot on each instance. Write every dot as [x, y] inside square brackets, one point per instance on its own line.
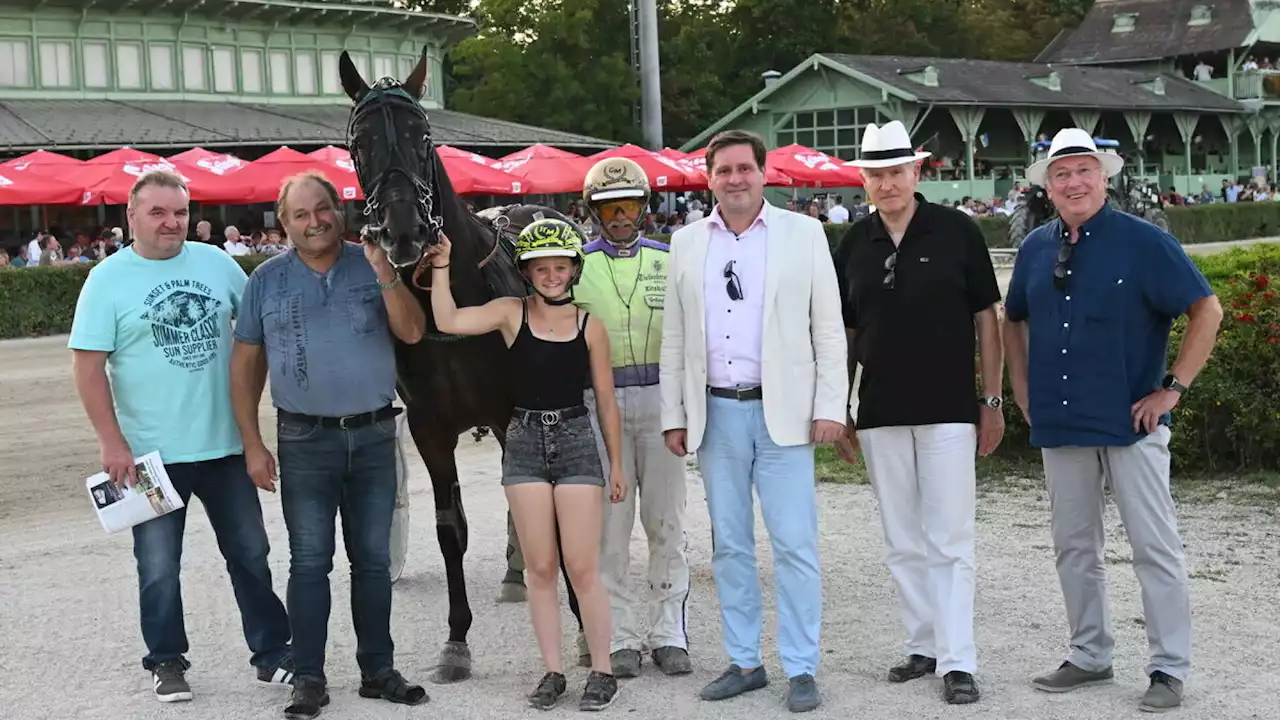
[549, 237]
[614, 178]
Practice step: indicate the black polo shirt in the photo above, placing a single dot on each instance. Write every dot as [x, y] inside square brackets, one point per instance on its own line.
[917, 340]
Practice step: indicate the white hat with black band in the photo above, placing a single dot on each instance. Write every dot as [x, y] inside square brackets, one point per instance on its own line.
[1073, 142]
[886, 146]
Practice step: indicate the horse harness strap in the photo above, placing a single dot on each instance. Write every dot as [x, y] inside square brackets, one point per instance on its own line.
[500, 229]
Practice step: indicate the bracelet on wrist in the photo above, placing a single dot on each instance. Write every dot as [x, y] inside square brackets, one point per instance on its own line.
[440, 267]
[395, 280]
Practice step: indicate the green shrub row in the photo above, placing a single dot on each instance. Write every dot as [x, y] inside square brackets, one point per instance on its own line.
[1230, 418]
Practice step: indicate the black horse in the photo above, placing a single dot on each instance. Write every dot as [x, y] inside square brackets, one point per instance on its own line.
[449, 384]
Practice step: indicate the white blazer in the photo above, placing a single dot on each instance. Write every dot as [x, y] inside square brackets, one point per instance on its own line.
[804, 369]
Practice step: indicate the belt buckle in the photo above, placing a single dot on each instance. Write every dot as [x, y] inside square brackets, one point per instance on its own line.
[550, 417]
[342, 421]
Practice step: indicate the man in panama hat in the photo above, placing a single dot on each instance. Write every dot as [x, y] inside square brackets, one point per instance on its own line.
[917, 286]
[1087, 319]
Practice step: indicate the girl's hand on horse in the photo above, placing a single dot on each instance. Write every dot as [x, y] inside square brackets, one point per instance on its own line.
[438, 254]
[617, 486]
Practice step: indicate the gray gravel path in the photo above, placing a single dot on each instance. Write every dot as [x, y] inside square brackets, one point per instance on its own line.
[71, 644]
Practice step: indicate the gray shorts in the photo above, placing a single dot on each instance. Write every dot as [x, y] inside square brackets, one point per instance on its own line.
[545, 447]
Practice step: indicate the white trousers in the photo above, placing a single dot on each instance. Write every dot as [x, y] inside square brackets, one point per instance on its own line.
[655, 484]
[924, 480]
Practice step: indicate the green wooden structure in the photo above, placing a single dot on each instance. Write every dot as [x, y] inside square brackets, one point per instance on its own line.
[1128, 72]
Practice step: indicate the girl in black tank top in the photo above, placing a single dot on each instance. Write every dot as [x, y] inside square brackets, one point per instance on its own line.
[551, 465]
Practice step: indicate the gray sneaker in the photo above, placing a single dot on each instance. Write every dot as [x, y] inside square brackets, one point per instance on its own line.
[1164, 695]
[734, 682]
[803, 695]
[1068, 677]
[169, 681]
[626, 663]
[672, 660]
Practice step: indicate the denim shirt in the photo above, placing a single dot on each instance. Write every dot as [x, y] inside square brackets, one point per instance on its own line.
[328, 342]
[1100, 344]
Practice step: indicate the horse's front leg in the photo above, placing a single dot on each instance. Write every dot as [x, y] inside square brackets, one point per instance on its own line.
[512, 589]
[437, 446]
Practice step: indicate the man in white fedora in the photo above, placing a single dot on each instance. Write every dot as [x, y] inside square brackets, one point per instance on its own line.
[1086, 333]
[917, 287]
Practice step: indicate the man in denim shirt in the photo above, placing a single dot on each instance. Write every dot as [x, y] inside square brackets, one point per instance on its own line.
[320, 319]
[1097, 291]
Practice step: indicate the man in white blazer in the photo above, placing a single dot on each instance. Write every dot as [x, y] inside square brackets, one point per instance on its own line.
[752, 374]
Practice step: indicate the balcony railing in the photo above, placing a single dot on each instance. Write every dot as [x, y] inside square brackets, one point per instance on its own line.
[1257, 85]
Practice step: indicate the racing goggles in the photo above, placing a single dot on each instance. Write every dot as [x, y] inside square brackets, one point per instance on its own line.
[629, 208]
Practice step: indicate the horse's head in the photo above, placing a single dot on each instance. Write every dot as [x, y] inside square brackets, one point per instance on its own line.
[389, 138]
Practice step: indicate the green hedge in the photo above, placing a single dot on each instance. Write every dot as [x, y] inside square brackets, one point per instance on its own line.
[1230, 419]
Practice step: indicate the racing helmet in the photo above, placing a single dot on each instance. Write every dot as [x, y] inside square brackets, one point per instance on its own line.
[616, 191]
[549, 237]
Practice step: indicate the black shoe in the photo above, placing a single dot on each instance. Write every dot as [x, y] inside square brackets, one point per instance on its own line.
[550, 688]
[277, 675]
[308, 696]
[391, 685]
[959, 688]
[672, 660]
[600, 693]
[169, 680]
[916, 666]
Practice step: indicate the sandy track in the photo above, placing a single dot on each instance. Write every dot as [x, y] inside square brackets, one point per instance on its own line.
[71, 642]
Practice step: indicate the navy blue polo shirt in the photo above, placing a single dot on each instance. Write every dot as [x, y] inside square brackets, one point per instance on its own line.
[1100, 344]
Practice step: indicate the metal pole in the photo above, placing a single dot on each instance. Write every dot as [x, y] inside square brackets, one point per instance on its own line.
[650, 85]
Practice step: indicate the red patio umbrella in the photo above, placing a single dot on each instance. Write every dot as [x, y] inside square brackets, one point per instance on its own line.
[773, 177]
[27, 188]
[333, 155]
[209, 161]
[665, 174]
[811, 168]
[472, 174]
[268, 173]
[546, 170]
[42, 162]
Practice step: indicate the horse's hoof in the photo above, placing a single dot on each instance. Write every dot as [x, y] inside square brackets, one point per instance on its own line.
[512, 593]
[454, 664]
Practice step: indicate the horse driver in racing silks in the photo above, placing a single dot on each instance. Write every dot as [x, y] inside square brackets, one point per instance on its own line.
[623, 284]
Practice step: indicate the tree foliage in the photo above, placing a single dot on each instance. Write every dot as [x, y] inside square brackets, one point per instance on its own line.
[566, 64]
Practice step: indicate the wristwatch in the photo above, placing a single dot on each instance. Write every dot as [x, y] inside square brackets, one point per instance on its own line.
[994, 403]
[1170, 382]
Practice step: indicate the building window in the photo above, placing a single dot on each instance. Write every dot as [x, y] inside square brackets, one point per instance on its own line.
[304, 63]
[279, 67]
[837, 133]
[129, 66]
[251, 70]
[56, 68]
[15, 64]
[383, 66]
[361, 62]
[406, 66]
[94, 55]
[193, 72]
[224, 70]
[163, 76]
[330, 82]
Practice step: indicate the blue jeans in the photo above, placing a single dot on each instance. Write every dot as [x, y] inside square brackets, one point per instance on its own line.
[324, 470]
[231, 502]
[736, 453]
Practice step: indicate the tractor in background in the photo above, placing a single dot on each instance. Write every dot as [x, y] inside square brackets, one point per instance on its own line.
[1126, 193]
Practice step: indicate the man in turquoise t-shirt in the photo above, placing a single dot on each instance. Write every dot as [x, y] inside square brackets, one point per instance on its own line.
[151, 343]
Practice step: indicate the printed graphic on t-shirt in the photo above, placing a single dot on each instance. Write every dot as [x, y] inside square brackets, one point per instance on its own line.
[184, 322]
[655, 285]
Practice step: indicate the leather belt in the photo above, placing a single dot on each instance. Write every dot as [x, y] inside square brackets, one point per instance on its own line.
[751, 393]
[346, 422]
[550, 417]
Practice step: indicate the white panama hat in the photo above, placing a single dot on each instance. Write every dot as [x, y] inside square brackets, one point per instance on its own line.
[1073, 142]
[886, 146]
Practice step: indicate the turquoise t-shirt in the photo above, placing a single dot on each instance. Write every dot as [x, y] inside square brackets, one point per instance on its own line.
[167, 327]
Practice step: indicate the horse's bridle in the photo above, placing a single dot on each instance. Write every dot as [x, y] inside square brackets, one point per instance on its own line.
[382, 96]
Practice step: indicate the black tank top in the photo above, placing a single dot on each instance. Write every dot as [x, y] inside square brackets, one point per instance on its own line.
[548, 374]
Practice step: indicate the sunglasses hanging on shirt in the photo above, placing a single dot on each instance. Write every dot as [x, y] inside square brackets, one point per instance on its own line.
[734, 285]
[890, 276]
[1061, 268]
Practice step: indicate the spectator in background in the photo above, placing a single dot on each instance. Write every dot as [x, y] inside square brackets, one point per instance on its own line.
[52, 252]
[838, 214]
[235, 245]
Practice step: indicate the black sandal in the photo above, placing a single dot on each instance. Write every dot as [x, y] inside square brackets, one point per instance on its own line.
[391, 685]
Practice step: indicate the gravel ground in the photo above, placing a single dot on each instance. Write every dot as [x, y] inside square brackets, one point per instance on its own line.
[71, 642]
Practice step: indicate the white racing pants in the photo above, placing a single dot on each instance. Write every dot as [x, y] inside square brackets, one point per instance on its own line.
[656, 483]
[923, 477]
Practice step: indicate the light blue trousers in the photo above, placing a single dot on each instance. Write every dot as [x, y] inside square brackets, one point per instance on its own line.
[736, 453]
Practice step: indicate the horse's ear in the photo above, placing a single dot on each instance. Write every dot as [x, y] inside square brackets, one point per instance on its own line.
[355, 85]
[417, 80]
